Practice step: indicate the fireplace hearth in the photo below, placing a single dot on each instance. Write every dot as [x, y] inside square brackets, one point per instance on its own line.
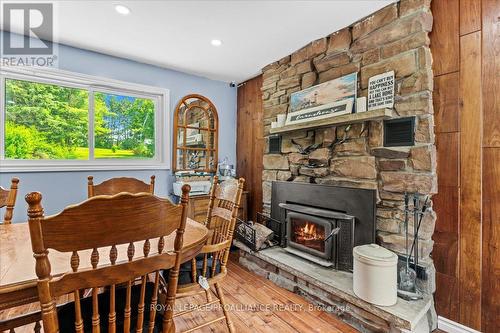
[323, 222]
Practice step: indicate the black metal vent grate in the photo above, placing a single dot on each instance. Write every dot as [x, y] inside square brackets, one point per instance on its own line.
[275, 144]
[399, 132]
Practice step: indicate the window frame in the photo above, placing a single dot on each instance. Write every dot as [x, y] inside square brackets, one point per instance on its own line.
[92, 84]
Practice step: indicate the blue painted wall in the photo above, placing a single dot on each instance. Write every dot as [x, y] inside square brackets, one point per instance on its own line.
[63, 188]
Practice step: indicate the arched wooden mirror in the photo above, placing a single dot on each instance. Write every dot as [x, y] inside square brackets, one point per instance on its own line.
[196, 126]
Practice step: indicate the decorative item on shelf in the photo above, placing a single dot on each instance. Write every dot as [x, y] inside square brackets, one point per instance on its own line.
[274, 124]
[281, 119]
[381, 91]
[200, 182]
[226, 170]
[360, 104]
[329, 99]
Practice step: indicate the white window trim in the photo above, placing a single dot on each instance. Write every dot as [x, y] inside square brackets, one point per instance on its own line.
[160, 96]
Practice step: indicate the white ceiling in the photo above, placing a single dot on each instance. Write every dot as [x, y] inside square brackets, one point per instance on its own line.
[177, 34]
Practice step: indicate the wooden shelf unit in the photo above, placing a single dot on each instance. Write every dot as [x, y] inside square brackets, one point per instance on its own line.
[351, 118]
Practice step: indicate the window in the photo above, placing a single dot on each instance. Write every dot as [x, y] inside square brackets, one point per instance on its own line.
[60, 120]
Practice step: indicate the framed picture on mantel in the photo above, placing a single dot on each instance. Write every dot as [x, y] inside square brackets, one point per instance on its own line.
[323, 94]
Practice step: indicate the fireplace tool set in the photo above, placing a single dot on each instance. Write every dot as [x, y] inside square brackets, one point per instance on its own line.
[407, 286]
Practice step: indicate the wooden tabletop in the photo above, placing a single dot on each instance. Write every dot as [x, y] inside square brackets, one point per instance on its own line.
[17, 265]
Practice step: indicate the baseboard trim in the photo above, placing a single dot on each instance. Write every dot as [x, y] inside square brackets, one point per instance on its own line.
[450, 326]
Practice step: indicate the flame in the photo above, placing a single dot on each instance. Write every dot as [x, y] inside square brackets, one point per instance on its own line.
[309, 232]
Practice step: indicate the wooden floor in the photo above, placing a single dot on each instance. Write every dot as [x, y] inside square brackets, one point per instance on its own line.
[256, 305]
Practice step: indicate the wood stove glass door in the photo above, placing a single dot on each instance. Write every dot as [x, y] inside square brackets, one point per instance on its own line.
[308, 233]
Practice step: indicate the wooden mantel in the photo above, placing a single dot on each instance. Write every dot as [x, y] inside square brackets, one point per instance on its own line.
[351, 118]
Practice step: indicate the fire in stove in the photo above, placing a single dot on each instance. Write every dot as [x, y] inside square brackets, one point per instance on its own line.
[308, 234]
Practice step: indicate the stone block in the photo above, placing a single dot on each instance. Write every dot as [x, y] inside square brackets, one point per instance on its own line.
[308, 80]
[300, 55]
[275, 162]
[302, 179]
[288, 73]
[268, 175]
[425, 130]
[375, 21]
[320, 155]
[282, 281]
[313, 172]
[407, 7]
[297, 158]
[273, 111]
[339, 181]
[409, 182]
[339, 41]
[337, 72]
[352, 131]
[411, 42]
[318, 46]
[289, 82]
[328, 135]
[423, 158]
[402, 65]
[427, 225]
[266, 192]
[415, 104]
[303, 67]
[355, 167]
[421, 80]
[392, 165]
[375, 134]
[394, 31]
[331, 60]
[284, 175]
[391, 153]
[424, 57]
[397, 244]
[351, 147]
[370, 57]
[388, 225]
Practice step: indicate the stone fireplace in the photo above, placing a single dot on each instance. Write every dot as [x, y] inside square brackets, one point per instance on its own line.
[353, 155]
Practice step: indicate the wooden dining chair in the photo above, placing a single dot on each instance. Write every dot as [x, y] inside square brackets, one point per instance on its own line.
[119, 184]
[103, 232]
[8, 200]
[211, 263]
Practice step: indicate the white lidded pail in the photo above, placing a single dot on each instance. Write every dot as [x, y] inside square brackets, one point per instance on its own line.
[375, 274]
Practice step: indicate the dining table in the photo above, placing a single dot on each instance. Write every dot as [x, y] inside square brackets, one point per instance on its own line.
[18, 281]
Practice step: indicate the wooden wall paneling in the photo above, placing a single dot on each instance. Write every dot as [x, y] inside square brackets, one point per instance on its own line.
[250, 141]
[491, 240]
[447, 304]
[258, 148]
[491, 72]
[470, 16]
[446, 103]
[445, 36]
[448, 154]
[470, 181]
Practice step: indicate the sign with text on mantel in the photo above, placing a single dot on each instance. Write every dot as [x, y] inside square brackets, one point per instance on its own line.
[381, 91]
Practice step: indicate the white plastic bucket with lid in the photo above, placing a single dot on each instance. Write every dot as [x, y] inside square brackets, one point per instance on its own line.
[375, 274]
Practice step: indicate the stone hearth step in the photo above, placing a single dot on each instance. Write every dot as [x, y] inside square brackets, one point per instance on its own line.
[333, 289]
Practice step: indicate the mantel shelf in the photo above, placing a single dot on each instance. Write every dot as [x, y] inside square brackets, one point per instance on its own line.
[352, 118]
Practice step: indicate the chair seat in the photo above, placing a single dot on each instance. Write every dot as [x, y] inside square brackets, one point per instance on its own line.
[66, 313]
[185, 274]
